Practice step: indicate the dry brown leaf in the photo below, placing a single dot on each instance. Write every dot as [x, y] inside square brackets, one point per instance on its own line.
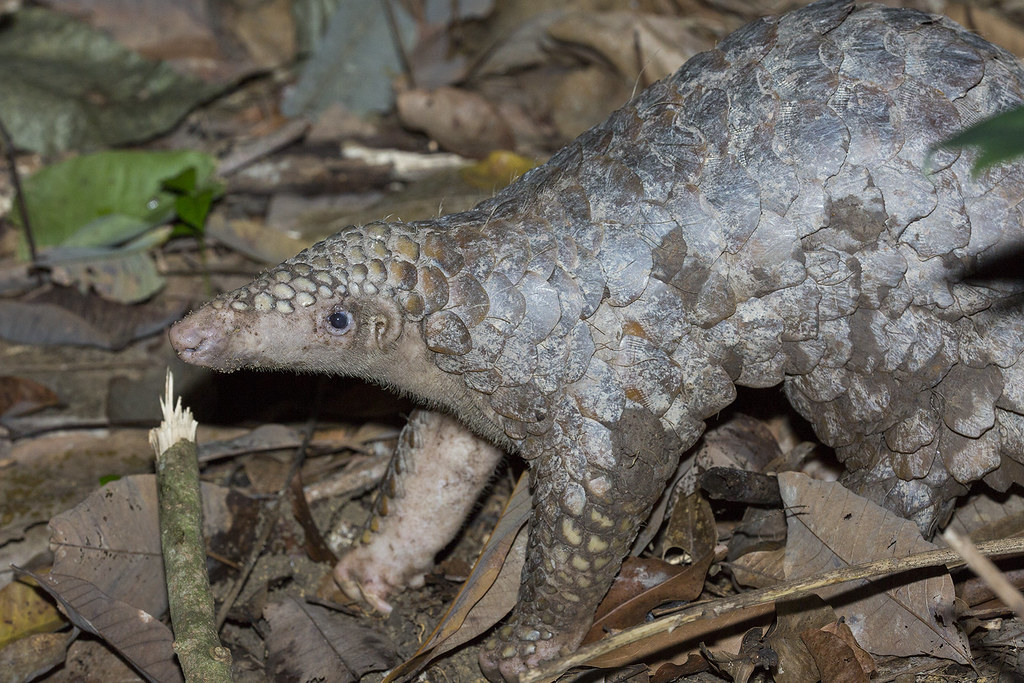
[743, 443]
[670, 672]
[20, 396]
[266, 29]
[111, 540]
[642, 585]
[264, 438]
[311, 643]
[459, 120]
[984, 518]
[139, 637]
[795, 663]
[579, 99]
[759, 530]
[50, 473]
[740, 443]
[833, 657]
[267, 472]
[650, 637]
[218, 41]
[691, 529]
[842, 630]
[830, 527]
[90, 659]
[30, 657]
[753, 655]
[637, 575]
[157, 29]
[313, 540]
[254, 238]
[759, 569]
[686, 637]
[360, 474]
[640, 46]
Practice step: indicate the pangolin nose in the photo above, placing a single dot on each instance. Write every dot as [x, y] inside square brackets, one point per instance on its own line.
[195, 341]
[185, 337]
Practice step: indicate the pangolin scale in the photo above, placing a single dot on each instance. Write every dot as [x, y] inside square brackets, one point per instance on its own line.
[764, 216]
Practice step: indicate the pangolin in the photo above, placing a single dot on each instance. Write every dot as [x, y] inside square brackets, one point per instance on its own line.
[767, 215]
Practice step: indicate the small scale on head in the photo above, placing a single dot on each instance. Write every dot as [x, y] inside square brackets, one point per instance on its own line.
[339, 307]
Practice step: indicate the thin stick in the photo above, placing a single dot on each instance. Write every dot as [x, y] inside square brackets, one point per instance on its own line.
[19, 197]
[202, 656]
[549, 671]
[396, 36]
[986, 571]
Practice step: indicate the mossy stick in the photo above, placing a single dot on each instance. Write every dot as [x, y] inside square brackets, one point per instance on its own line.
[199, 650]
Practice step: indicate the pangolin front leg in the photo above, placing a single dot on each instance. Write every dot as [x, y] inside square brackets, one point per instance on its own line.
[439, 470]
[580, 529]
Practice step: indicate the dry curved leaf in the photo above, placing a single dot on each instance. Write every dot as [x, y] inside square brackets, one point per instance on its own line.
[312, 643]
[758, 569]
[640, 45]
[691, 530]
[830, 527]
[21, 396]
[642, 585]
[834, 658]
[112, 540]
[742, 443]
[760, 530]
[30, 657]
[687, 636]
[841, 630]
[984, 518]
[754, 654]
[459, 120]
[140, 638]
[792, 618]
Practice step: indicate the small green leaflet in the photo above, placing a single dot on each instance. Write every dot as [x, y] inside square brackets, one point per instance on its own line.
[999, 138]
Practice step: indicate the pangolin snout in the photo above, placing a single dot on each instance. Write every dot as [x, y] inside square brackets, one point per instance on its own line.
[193, 342]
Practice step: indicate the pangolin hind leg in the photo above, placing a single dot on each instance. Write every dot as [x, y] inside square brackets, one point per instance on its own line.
[921, 407]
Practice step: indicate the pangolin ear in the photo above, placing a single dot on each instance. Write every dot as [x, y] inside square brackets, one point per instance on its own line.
[386, 326]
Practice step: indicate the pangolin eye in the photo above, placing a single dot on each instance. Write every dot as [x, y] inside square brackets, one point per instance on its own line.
[340, 322]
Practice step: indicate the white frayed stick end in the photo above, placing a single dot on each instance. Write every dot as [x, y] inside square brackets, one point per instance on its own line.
[177, 424]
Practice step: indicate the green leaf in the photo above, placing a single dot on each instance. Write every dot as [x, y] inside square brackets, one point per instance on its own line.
[183, 183]
[109, 197]
[193, 209]
[107, 230]
[999, 138]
